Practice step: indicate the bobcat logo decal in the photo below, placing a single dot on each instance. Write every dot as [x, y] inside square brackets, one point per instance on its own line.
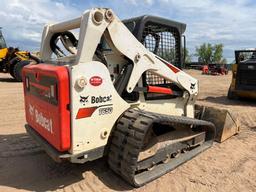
[83, 100]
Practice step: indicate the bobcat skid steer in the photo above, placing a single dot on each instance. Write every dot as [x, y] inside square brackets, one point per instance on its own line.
[114, 95]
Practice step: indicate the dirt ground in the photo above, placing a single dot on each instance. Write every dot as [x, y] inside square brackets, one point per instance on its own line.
[230, 166]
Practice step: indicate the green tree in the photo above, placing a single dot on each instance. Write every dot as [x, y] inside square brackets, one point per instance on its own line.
[217, 54]
[204, 53]
[208, 53]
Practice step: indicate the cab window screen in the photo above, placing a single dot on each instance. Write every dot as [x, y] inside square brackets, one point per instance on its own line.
[162, 41]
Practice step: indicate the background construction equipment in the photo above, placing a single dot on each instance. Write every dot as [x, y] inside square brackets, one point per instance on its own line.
[243, 82]
[12, 60]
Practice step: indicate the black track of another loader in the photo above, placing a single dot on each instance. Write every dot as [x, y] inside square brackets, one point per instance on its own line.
[128, 139]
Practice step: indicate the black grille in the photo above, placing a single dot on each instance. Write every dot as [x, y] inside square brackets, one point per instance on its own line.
[163, 42]
[152, 79]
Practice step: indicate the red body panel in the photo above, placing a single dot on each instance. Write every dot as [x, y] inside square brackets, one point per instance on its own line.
[46, 90]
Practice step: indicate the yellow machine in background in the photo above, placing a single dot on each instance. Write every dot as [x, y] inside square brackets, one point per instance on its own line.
[3, 53]
[244, 75]
[12, 60]
[3, 47]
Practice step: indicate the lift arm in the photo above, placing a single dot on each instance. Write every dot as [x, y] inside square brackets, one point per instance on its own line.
[97, 22]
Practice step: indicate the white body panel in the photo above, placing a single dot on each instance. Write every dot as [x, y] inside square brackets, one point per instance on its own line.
[167, 107]
[87, 132]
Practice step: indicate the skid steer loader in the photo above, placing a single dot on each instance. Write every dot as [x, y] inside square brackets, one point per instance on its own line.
[115, 96]
[243, 82]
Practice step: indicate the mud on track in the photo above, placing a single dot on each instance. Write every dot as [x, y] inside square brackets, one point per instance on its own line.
[230, 166]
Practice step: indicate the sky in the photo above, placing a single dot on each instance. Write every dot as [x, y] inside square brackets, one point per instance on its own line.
[230, 22]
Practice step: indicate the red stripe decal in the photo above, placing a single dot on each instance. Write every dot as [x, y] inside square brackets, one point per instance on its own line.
[173, 68]
[85, 112]
[163, 90]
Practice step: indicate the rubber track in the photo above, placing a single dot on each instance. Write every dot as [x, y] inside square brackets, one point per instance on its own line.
[128, 139]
